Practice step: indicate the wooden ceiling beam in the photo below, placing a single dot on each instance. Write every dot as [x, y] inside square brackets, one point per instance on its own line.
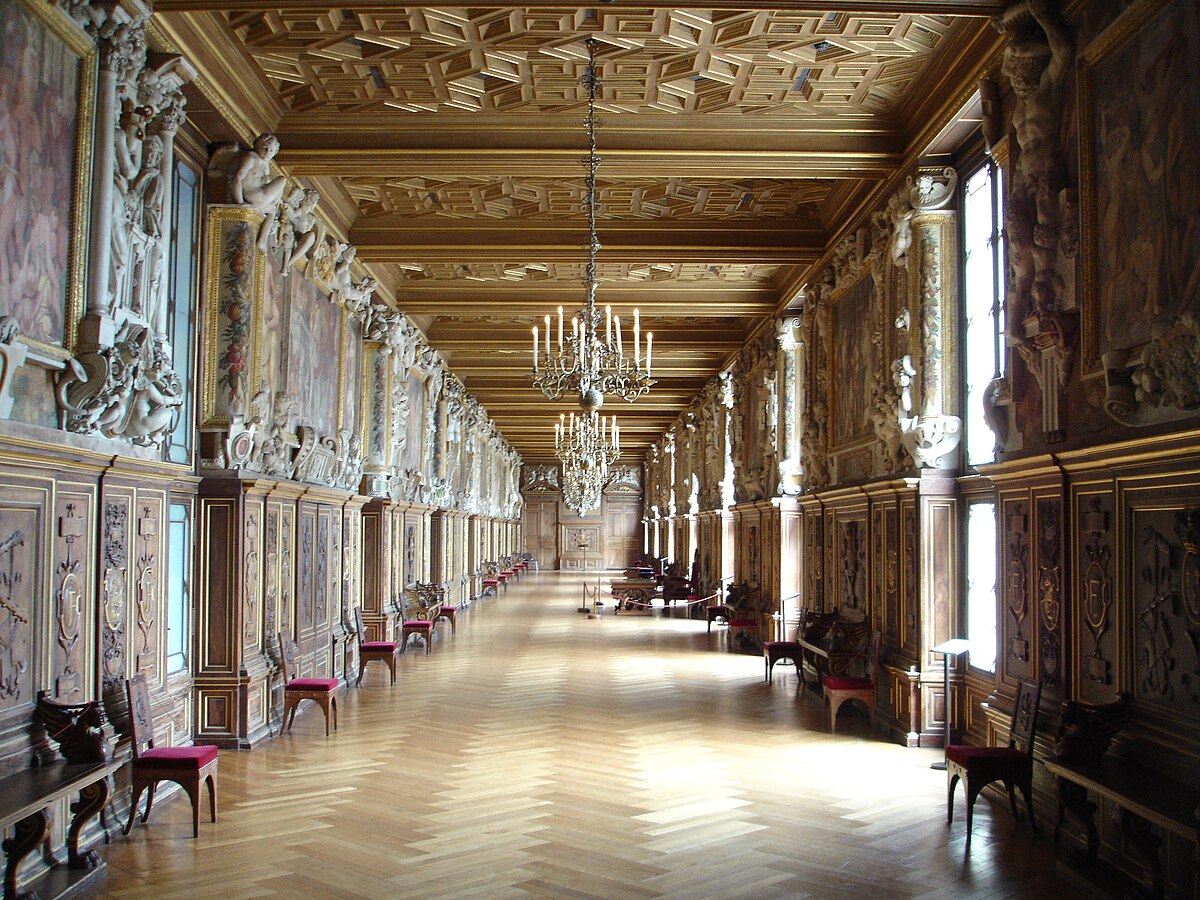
[800, 7]
[336, 160]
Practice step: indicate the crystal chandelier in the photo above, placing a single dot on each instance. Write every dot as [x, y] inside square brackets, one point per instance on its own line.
[581, 362]
[586, 445]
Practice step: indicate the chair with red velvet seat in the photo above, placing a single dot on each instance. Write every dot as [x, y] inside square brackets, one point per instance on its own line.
[186, 766]
[979, 766]
[370, 651]
[418, 619]
[839, 689]
[322, 691]
[774, 651]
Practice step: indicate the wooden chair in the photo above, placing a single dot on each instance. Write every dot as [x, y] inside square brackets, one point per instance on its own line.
[322, 691]
[839, 689]
[370, 651]
[774, 651]
[186, 766]
[418, 620]
[979, 766]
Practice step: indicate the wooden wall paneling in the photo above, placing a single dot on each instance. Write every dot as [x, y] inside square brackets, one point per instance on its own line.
[622, 530]
[118, 500]
[375, 564]
[541, 529]
[73, 583]
[1051, 593]
[1160, 574]
[813, 566]
[940, 574]
[1095, 658]
[216, 657]
[1017, 627]
[26, 532]
[909, 577]
[306, 580]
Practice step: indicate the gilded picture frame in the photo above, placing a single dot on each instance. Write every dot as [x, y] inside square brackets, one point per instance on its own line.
[60, 28]
[1138, 88]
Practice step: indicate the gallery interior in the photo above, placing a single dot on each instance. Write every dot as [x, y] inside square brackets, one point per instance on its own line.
[858, 336]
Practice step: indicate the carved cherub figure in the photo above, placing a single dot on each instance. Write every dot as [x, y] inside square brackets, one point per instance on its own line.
[299, 228]
[253, 186]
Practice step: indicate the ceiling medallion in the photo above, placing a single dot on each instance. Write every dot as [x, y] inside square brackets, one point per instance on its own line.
[582, 363]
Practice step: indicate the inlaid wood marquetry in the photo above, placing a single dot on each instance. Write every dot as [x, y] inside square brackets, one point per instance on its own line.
[557, 755]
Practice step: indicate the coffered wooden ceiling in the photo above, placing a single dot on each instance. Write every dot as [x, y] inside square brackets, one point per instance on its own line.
[448, 142]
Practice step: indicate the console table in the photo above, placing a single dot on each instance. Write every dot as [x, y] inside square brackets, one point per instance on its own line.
[631, 593]
[24, 797]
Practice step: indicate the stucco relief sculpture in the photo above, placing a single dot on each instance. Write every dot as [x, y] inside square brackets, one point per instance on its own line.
[299, 229]
[1159, 382]
[1036, 63]
[122, 382]
[12, 357]
[252, 184]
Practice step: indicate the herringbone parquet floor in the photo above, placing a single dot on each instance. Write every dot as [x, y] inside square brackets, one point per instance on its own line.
[542, 753]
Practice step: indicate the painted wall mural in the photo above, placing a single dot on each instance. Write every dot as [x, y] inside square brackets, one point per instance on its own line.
[855, 357]
[313, 335]
[40, 85]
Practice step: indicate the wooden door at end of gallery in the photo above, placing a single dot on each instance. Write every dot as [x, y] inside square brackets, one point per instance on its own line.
[541, 530]
[622, 531]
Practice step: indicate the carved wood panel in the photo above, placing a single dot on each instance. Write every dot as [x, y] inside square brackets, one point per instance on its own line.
[909, 566]
[1164, 566]
[149, 583]
[1052, 606]
[24, 507]
[252, 574]
[1018, 624]
[305, 568]
[117, 504]
[72, 586]
[1097, 624]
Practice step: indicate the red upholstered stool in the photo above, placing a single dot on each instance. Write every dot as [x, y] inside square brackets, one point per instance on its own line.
[492, 583]
[322, 691]
[448, 613]
[1013, 765]
[186, 766]
[369, 651]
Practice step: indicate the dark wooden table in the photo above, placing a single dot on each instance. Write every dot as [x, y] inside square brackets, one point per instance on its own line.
[630, 594]
[24, 798]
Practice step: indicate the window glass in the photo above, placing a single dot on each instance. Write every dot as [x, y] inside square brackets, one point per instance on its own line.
[981, 584]
[984, 305]
[181, 289]
[179, 571]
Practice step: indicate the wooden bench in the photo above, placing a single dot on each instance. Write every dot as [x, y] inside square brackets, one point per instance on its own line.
[83, 769]
[831, 643]
[1146, 797]
[633, 594]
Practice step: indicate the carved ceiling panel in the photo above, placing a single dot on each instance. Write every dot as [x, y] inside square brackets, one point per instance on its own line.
[528, 61]
[573, 272]
[637, 198]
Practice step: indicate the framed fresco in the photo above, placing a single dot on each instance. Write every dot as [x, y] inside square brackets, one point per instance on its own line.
[47, 104]
[273, 325]
[854, 357]
[413, 453]
[314, 374]
[352, 393]
[1139, 89]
